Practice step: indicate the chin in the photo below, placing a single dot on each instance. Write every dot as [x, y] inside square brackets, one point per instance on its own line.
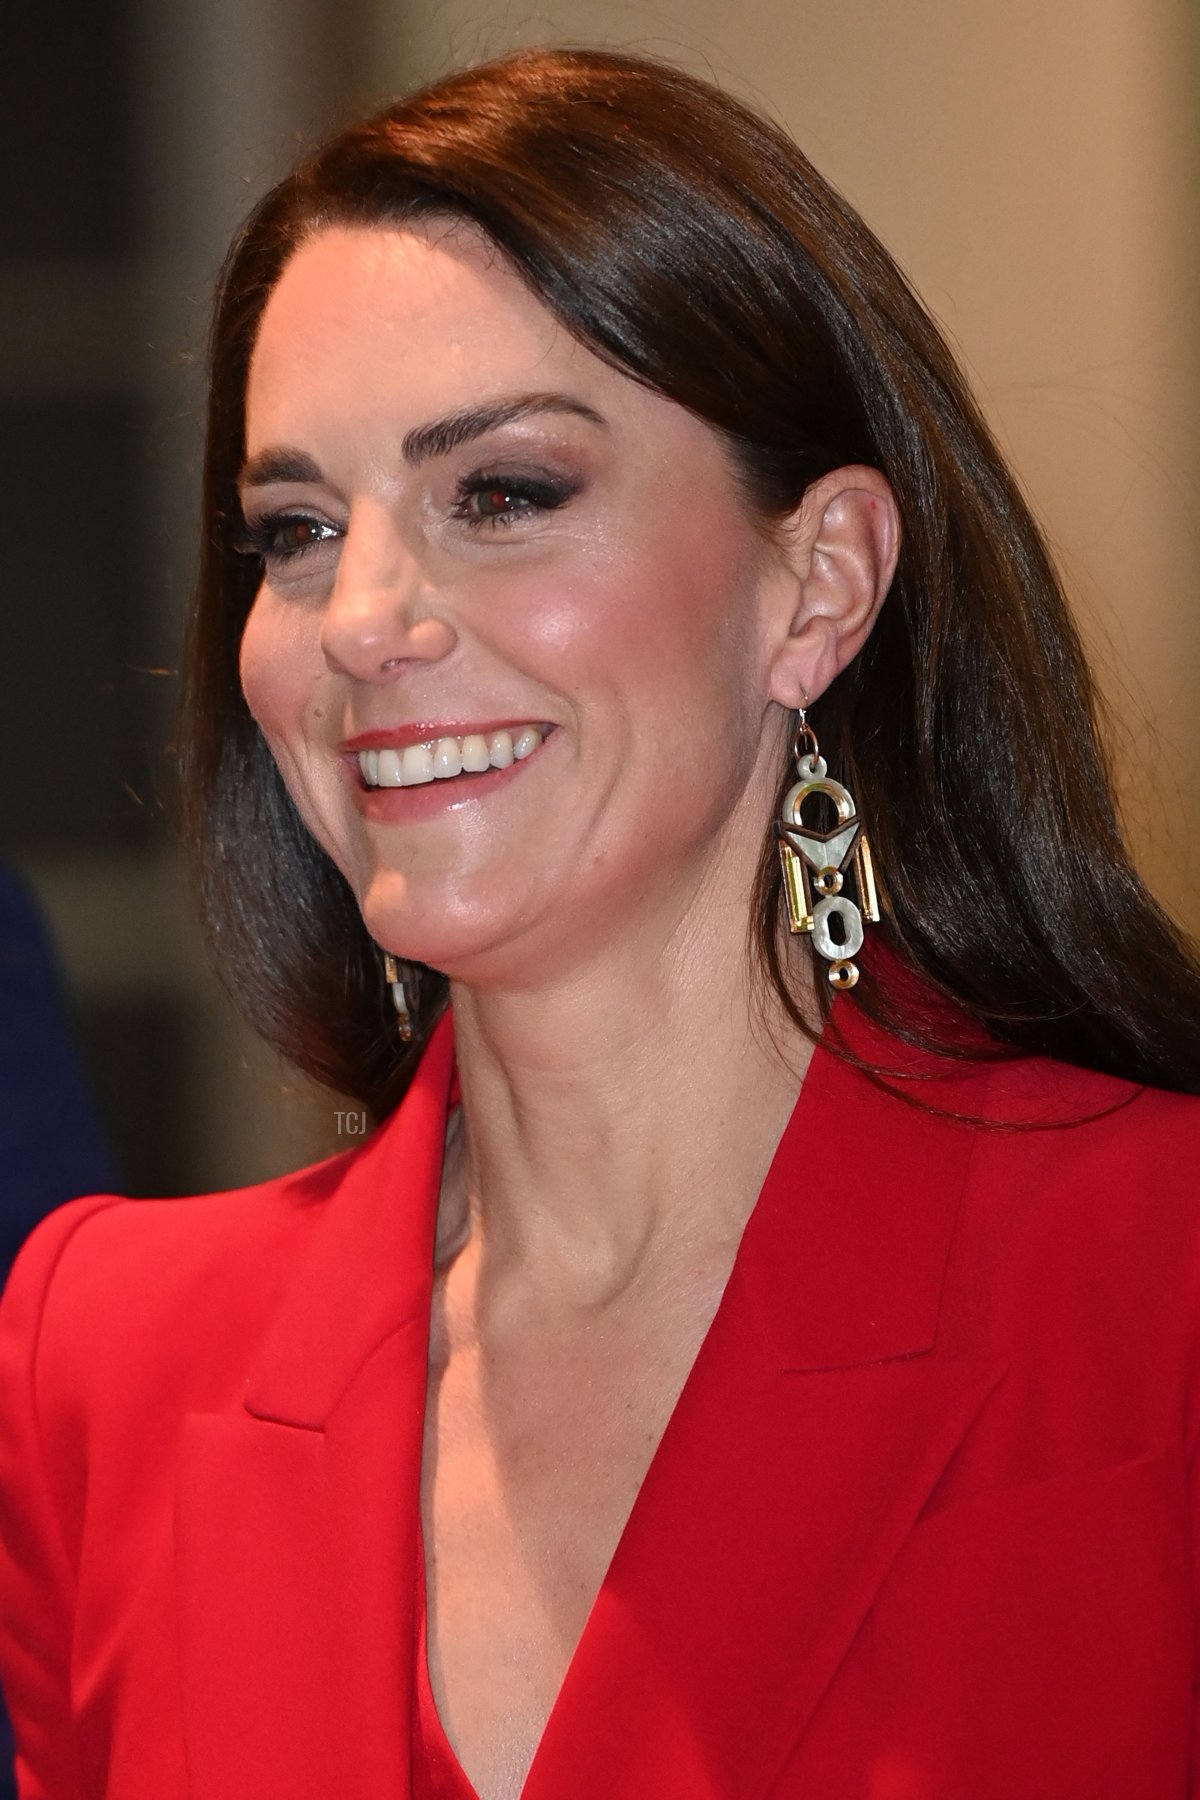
[463, 941]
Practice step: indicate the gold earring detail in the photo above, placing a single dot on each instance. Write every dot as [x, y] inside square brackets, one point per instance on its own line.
[819, 862]
[405, 1003]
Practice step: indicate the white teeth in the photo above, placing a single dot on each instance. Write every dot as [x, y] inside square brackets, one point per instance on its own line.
[475, 757]
[447, 757]
[389, 772]
[418, 764]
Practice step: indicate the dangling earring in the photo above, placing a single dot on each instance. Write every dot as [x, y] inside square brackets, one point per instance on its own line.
[828, 854]
[405, 1002]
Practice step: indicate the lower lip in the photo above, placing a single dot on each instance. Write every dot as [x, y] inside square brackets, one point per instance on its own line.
[429, 799]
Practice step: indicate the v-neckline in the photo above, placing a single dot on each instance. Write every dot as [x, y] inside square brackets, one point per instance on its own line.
[865, 1262]
[455, 1784]
[444, 1776]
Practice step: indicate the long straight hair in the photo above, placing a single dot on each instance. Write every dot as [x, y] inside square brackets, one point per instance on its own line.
[689, 243]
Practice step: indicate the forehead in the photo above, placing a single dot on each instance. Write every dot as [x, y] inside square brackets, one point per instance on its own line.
[421, 315]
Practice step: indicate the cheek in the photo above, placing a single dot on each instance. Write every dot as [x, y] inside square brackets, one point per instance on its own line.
[277, 669]
[280, 681]
[658, 607]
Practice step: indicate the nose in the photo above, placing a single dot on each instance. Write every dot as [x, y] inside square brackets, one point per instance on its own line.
[382, 613]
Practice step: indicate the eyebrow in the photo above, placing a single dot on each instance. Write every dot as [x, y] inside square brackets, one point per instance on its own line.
[423, 442]
[458, 428]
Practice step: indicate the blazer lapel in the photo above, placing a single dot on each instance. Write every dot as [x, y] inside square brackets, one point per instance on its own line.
[812, 1430]
[296, 1523]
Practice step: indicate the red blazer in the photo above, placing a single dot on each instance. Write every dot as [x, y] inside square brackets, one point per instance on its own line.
[922, 1525]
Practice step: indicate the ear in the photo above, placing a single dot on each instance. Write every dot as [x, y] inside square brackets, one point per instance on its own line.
[840, 547]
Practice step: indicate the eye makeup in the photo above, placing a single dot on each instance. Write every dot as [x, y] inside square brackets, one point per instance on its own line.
[279, 537]
[492, 497]
[485, 500]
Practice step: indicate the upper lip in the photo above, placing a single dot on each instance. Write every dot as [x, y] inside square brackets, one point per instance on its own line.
[398, 737]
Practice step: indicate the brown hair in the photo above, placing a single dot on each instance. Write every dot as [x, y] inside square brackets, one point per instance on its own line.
[690, 243]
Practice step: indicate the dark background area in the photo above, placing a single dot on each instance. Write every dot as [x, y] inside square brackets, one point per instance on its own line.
[85, 721]
[132, 138]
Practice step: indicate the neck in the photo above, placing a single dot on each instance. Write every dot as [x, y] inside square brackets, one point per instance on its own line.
[620, 1121]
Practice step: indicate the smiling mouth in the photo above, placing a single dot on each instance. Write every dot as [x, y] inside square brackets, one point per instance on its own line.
[447, 758]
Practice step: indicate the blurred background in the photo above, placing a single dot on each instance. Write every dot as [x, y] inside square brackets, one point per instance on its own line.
[1035, 168]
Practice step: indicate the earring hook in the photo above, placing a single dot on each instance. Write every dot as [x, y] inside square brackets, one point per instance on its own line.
[805, 734]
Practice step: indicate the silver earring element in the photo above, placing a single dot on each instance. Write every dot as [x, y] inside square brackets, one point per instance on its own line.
[820, 860]
[405, 1003]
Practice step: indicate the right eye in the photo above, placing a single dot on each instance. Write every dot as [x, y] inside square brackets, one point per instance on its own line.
[280, 537]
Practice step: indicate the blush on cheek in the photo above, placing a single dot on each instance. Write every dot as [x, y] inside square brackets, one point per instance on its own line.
[276, 673]
[251, 666]
[631, 611]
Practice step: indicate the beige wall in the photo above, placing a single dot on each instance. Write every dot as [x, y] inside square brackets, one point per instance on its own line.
[1034, 168]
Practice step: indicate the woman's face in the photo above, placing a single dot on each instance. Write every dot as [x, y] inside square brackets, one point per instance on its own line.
[483, 544]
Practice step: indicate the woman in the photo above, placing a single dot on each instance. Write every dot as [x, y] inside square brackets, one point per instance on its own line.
[704, 1382]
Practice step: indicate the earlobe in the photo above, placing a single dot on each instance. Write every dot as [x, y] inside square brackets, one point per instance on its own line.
[843, 542]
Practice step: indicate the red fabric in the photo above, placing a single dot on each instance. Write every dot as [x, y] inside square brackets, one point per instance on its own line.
[921, 1527]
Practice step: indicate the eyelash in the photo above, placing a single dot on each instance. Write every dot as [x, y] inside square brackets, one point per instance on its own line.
[543, 494]
[259, 538]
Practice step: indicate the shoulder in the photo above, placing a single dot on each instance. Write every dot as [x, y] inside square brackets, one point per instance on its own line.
[155, 1245]
[1082, 1208]
[1040, 1138]
[127, 1312]
[1073, 1129]
[106, 1283]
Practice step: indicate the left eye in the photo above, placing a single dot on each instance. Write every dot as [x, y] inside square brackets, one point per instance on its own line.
[498, 499]
[494, 502]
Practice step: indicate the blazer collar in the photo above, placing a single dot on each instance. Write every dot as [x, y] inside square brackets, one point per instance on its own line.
[297, 1514]
[845, 1254]
[369, 1265]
